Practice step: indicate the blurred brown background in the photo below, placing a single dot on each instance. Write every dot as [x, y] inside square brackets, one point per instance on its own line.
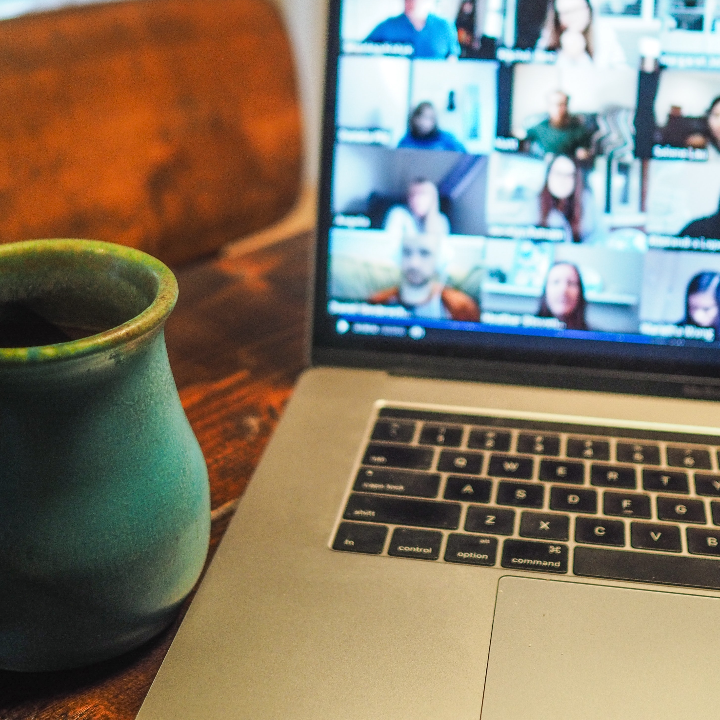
[172, 126]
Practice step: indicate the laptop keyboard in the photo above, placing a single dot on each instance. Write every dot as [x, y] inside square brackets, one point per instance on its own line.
[615, 503]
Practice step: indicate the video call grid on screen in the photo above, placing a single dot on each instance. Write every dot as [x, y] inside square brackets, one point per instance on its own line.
[561, 160]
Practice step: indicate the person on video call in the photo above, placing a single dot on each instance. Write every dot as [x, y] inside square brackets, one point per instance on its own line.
[473, 46]
[421, 215]
[709, 138]
[421, 289]
[564, 297]
[569, 31]
[465, 24]
[560, 133]
[565, 203]
[429, 35]
[701, 300]
[424, 134]
[704, 227]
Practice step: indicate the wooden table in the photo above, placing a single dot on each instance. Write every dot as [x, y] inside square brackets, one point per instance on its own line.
[236, 346]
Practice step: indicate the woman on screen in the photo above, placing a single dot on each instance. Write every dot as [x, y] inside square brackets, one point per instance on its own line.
[465, 24]
[710, 136]
[701, 300]
[564, 297]
[421, 215]
[703, 227]
[424, 134]
[570, 31]
[565, 203]
[568, 28]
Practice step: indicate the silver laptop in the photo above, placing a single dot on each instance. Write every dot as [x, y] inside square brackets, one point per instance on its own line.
[496, 493]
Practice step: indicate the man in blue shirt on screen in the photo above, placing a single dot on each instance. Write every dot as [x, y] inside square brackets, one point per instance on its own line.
[429, 35]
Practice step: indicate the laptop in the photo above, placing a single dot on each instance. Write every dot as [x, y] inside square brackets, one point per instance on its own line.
[495, 494]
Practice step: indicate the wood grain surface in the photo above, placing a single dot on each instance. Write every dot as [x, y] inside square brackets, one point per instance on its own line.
[236, 346]
[172, 126]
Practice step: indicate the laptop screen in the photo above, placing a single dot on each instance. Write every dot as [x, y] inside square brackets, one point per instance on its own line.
[523, 178]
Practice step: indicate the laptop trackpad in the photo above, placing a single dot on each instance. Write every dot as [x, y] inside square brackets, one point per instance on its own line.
[566, 651]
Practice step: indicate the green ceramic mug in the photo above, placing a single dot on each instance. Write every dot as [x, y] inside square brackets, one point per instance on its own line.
[104, 501]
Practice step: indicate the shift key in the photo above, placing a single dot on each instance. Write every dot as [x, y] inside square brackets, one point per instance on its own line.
[401, 456]
[403, 511]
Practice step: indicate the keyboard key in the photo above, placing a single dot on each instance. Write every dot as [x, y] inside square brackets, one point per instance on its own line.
[393, 431]
[538, 444]
[666, 481]
[471, 549]
[573, 500]
[441, 435]
[397, 482]
[545, 526]
[527, 555]
[588, 448]
[403, 511]
[520, 494]
[599, 531]
[461, 488]
[489, 440]
[627, 505]
[460, 462]
[562, 472]
[402, 456]
[652, 536]
[715, 512]
[613, 476]
[495, 521]
[708, 485]
[420, 544]
[638, 453]
[674, 510]
[643, 567]
[688, 458]
[703, 542]
[355, 537]
[511, 466]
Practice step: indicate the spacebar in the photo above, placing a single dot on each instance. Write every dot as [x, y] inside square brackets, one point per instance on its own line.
[646, 567]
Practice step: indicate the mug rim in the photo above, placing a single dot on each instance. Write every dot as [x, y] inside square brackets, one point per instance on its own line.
[152, 318]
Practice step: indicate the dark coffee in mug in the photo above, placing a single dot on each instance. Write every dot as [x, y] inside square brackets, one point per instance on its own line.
[22, 326]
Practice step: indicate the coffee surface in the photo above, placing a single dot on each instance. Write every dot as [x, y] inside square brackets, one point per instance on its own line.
[21, 326]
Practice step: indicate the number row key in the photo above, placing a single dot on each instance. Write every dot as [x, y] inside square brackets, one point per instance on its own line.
[542, 443]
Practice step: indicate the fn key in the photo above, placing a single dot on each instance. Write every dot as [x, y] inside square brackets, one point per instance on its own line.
[360, 538]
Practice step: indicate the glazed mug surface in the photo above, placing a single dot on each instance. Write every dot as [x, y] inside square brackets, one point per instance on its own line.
[104, 498]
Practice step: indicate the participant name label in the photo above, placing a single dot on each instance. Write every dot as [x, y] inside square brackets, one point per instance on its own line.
[527, 321]
[353, 47]
[668, 152]
[527, 232]
[352, 221]
[510, 55]
[669, 242]
[684, 61]
[507, 144]
[364, 136]
[335, 307]
[686, 332]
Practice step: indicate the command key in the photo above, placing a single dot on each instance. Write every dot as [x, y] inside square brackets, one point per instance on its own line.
[539, 556]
